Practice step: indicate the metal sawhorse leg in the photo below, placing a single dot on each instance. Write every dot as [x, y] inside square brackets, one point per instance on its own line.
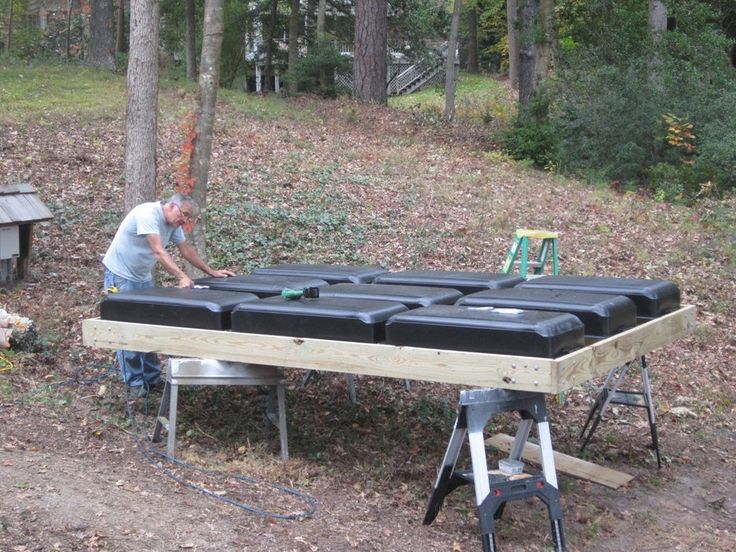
[610, 394]
[193, 371]
[494, 489]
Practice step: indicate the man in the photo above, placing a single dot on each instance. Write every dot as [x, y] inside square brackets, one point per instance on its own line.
[138, 244]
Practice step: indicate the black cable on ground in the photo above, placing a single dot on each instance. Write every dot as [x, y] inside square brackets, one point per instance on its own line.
[147, 449]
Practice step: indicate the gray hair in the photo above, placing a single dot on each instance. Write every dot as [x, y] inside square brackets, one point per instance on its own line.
[179, 199]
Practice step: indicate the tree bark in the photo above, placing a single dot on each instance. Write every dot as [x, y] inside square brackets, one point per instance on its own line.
[142, 111]
[268, 66]
[512, 22]
[321, 9]
[472, 66]
[102, 37]
[451, 65]
[68, 28]
[9, 33]
[209, 79]
[528, 14]
[545, 47]
[120, 35]
[191, 42]
[293, 42]
[657, 26]
[369, 63]
[657, 17]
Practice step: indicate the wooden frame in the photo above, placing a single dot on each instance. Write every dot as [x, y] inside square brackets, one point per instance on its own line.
[541, 375]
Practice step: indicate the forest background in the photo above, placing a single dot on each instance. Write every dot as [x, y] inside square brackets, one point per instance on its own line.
[647, 194]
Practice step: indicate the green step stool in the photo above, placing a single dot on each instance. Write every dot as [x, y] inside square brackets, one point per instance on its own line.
[520, 248]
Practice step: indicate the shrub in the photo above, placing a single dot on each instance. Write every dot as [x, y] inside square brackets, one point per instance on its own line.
[532, 136]
[315, 72]
[656, 114]
[534, 140]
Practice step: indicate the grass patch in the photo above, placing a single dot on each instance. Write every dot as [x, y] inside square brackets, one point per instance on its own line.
[269, 107]
[478, 99]
[33, 93]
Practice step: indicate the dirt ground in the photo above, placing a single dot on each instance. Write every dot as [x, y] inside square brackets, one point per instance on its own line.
[73, 484]
[75, 476]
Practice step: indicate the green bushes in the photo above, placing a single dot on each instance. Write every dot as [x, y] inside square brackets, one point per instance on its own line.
[532, 136]
[315, 72]
[647, 112]
[534, 140]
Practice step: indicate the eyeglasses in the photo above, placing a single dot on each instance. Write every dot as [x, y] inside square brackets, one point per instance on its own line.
[188, 217]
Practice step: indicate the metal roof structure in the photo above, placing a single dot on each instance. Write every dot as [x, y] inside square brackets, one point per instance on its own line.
[19, 204]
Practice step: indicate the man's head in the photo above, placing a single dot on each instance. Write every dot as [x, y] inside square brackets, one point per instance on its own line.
[180, 209]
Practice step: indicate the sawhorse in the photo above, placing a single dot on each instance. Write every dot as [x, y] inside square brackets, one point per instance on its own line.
[494, 489]
[610, 394]
[195, 371]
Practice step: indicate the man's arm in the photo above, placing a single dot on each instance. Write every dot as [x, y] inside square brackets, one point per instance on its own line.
[163, 257]
[189, 252]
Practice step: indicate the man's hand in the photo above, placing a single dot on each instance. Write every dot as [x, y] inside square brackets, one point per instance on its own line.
[185, 282]
[221, 273]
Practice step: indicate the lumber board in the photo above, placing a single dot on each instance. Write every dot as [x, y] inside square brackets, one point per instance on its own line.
[564, 463]
[456, 367]
[598, 358]
[519, 373]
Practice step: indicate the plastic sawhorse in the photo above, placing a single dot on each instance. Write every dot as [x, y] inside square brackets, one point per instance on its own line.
[494, 489]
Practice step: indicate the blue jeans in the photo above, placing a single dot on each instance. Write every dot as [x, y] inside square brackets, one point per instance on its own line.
[136, 368]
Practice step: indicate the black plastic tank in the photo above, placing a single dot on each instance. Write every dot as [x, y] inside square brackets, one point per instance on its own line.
[184, 307]
[465, 282]
[487, 330]
[341, 319]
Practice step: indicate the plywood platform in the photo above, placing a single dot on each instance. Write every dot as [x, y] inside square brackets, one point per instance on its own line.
[457, 367]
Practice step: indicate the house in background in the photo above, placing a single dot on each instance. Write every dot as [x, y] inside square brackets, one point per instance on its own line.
[45, 11]
[64, 25]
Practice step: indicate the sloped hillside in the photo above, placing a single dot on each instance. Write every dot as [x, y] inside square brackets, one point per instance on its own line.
[309, 180]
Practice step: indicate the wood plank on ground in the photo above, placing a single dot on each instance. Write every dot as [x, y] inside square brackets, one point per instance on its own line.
[564, 463]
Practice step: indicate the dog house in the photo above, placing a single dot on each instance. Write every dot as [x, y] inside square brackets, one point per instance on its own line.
[20, 208]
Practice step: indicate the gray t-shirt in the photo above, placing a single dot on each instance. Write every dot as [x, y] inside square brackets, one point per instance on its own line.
[129, 255]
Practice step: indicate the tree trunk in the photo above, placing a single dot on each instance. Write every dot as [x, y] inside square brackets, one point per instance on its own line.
[209, 79]
[120, 35]
[326, 79]
[293, 43]
[657, 26]
[142, 112]
[68, 28]
[512, 22]
[472, 66]
[657, 17]
[321, 9]
[451, 65]
[102, 37]
[268, 69]
[528, 14]
[369, 63]
[9, 33]
[191, 42]
[545, 47]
